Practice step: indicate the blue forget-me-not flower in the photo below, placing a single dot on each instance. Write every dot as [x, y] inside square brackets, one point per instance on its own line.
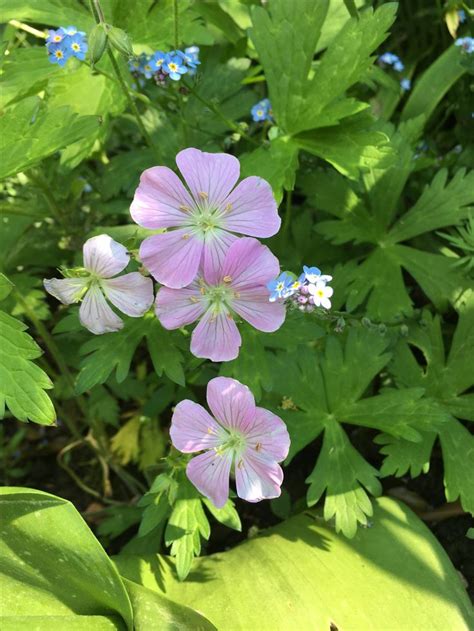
[466, 43]
[262, 111]
[64, 43]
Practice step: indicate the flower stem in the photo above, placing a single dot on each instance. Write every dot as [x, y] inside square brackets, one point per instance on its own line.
[98, 15]
[27, 28]
[176, 24]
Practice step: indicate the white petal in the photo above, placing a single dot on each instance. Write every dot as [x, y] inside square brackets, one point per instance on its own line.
[131, 293]
[104, 256]
[96, 315]
[67, 290]
[326, 303]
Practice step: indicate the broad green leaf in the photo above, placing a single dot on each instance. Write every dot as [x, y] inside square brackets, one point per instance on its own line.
[277, 163]
[457, 445]
[386, 186]
[25, 72]
[441, 204]
[165, 348]
[331, 192]
[47, 12]
[444, 381]
[435, 82]
[396, 568]
[343, 64]
[351, 147]
[401, 413]
[6, 286]
[427, 269]
[153, 23]
[22, 383]
[151, 609]
[285, 38]
[405, 456]
[343, 473]
[52, 565]
[323, 390]
[29, 133]
[226, 515]
[104, 353]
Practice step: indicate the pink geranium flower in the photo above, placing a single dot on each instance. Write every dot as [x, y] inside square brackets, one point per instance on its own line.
[202, 217]
[131, 293]
[241, 438]
[237, 286]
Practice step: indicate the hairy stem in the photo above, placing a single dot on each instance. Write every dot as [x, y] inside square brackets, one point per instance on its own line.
[98, 15]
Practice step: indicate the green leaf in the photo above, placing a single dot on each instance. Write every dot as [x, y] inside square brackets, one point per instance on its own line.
[151, 609]
[405, 456]
[401, 413]
[6, 286]
[53, 568]
[185, 527]
[444, 380]
[165, 351]
[457, 445]
[396, 568]
[342, 473]
[25, 72]
[351, 147]
[286, 39]
[154, 514]
[48, 12]
[226, 515]
[22, 383]
[30, 133]
[104, 353]
[435, 82]
[441, 204]
[277, 163]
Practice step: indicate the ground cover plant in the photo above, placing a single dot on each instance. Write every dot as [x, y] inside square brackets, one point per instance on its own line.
[237, 314]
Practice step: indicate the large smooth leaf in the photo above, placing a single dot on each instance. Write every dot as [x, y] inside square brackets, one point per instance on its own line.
[301, 575]
[53, 566]
[54, 575]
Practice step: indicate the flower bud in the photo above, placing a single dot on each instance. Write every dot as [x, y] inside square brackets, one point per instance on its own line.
[97, 43]
[120, 41]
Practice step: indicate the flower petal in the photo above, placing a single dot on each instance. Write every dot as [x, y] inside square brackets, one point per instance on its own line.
[67, 290]
[177, 307]
[96, 315]
[172, 257]
[232, 403]
[253, 209]
[131, 293]
[249, 263]
[104, 256]
[257, 478]
[161, 201]
[269, 435]
[254, 306]
[209, 176]
[216, 246]
[193, 428]
[216, 337]
[210, 473]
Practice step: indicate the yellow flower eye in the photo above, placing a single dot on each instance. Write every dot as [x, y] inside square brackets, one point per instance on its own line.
[173, 67]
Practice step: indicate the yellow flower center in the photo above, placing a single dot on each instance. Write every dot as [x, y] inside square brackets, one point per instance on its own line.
[76, 47]
[173, 67]
[59, 54]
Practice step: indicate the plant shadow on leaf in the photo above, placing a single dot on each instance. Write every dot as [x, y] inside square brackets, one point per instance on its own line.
[395, 567]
